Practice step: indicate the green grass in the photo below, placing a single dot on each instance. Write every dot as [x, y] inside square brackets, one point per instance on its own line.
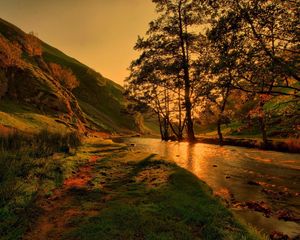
[28, 169]
[42, 144]
[23, 180]
[181, 207]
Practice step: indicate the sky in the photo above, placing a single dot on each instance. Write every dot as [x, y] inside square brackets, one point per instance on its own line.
[98, 33]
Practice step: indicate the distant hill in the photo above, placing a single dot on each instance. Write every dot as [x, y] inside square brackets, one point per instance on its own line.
[31, 97]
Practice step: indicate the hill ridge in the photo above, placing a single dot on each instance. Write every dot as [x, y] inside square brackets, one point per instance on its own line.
[97, 103]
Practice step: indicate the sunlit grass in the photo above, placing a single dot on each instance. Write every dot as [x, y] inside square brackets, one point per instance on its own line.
[27, 119]
[142, 206]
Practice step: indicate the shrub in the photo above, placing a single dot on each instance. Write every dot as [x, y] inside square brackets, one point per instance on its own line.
[42, 144]
[64, 75]
[10, 54]
[33, 45]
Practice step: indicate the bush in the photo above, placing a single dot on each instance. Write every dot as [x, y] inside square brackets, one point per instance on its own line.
[33, 45]
[64, 75]
[10, 54]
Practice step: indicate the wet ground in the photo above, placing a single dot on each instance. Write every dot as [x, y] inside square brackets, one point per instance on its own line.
[262, 187]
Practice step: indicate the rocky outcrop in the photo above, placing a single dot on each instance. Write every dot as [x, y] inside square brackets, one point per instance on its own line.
[33, 86]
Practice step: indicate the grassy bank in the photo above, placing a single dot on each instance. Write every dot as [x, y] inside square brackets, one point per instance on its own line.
[281, 145]
[122, 194]
[30, 166]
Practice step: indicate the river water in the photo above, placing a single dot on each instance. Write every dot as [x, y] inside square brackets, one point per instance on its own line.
[261, 187]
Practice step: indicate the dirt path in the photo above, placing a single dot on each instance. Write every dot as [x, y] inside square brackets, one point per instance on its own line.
[61, 207]
[85, 193]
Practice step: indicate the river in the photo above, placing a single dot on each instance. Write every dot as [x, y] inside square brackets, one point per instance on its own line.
[261, 187]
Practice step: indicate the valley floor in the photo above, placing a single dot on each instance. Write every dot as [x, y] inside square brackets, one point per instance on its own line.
[119, 193]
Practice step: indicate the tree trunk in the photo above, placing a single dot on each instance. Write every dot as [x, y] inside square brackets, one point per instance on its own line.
[189, 121]
[180, 127]
[187, 83]
[166, 130]
[222, 109]
[160, 126]
[263, 132]
[220, 132]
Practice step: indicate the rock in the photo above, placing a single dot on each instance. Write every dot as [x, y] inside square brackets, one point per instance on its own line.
[277, 195]
[227, 177]
[278, 236]
[286, 215]
[215, 166]
[255, 206]
[253, 183]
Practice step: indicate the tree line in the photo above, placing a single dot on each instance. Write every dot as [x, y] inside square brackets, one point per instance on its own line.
[198, 53]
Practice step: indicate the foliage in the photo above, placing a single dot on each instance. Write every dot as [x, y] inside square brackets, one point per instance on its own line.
[262, 39]
[163, 76]
[33, 45]
[213, 50]
[10, 54]
[64, 75]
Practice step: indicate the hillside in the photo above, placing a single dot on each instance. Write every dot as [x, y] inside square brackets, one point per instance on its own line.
[31, 98]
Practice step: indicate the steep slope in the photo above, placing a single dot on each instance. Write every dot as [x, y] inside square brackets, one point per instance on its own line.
[97, 102]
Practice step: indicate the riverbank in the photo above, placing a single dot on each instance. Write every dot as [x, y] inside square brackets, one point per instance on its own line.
[117, 193]
[280, 145]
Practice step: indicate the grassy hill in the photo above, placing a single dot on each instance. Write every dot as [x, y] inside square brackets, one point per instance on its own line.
[98, 102]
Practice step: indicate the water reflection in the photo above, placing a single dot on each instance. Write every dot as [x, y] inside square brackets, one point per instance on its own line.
[228, 171]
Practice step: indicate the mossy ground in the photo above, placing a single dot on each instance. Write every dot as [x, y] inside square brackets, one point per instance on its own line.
[118, 193]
